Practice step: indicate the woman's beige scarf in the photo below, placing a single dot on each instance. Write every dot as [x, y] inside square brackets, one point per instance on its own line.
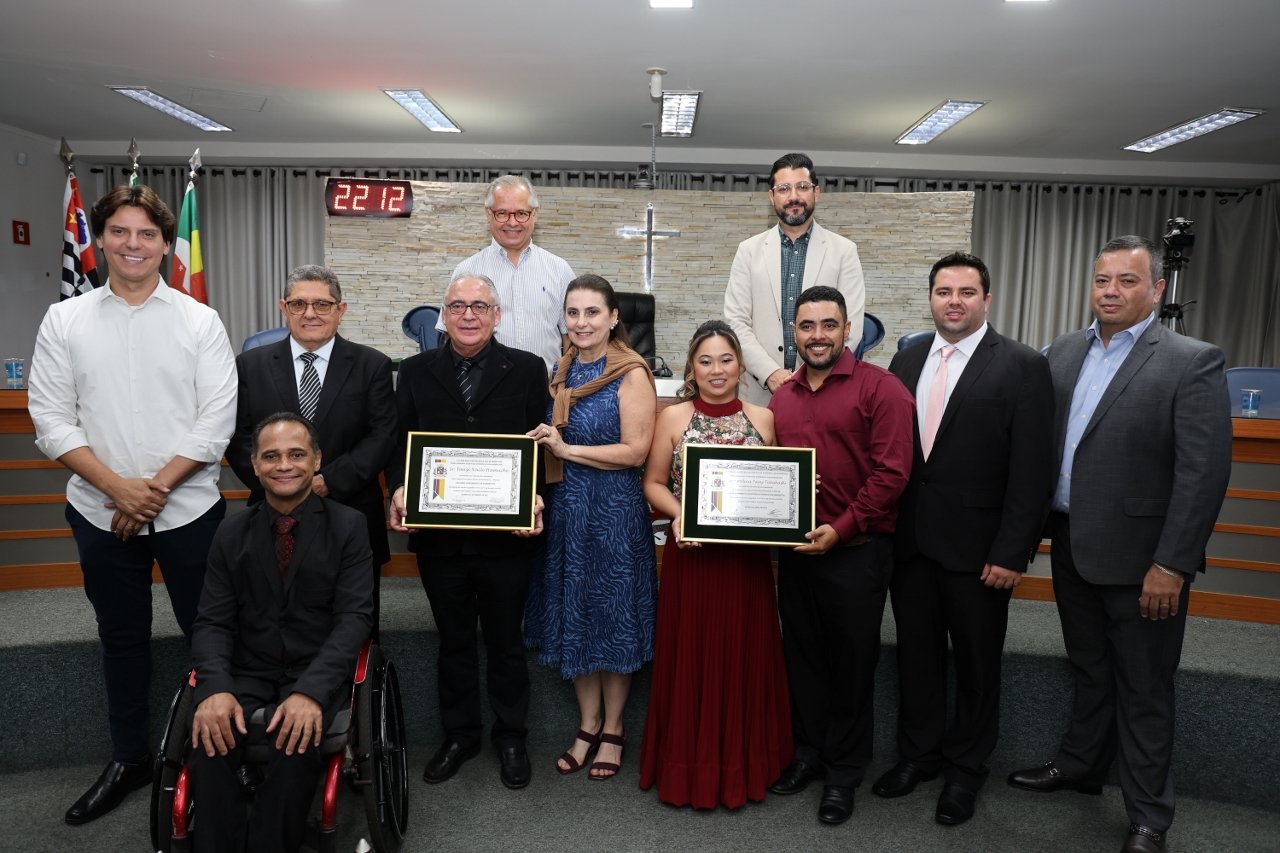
[619, 359]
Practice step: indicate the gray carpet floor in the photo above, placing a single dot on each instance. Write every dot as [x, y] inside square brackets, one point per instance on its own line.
[474, 812]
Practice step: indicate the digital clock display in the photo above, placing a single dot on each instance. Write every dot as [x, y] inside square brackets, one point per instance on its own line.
[368, 197]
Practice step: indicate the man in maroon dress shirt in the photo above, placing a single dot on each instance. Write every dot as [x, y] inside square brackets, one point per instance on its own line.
[831, 591]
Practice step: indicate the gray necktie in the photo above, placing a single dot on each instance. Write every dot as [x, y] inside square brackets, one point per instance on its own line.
[309, 387]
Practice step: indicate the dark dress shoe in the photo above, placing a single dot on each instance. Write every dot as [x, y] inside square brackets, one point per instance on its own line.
[955, 805]
[1049, 778]
[515, 771]
[115, 783]
[1143, 839]
[795, 778]
[448, 758]
[836, 806]
[901, 780]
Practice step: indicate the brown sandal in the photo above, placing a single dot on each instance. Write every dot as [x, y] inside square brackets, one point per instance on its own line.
[593, 744]
[612, 740]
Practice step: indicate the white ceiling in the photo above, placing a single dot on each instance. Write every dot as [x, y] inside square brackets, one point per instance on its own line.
[555, 82]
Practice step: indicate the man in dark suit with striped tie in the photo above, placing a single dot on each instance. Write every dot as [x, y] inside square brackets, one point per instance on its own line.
[473, 384]
[343, 388]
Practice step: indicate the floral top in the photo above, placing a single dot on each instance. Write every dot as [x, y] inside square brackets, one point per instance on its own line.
[713, 423]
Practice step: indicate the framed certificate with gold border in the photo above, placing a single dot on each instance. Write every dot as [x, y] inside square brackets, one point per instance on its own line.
[478, 481]
[747, 495]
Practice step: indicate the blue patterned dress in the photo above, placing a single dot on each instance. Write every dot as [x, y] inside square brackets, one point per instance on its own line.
[592, 606]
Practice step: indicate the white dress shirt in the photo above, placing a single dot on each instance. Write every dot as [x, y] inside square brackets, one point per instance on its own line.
[323, 354]
[137, 386]
[955, 366]
[532, 295]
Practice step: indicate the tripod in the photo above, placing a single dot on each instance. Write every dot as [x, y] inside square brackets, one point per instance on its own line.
[1178, 243]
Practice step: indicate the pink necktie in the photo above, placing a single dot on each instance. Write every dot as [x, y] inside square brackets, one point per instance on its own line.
[937, 402]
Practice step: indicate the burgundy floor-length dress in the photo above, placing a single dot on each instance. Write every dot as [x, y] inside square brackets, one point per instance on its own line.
[718, 730]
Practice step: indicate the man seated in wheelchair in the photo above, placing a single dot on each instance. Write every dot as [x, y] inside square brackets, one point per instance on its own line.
[287, 604]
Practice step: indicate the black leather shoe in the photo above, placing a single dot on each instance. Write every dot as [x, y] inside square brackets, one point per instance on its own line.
[836, 806]
[901, 780]
[955, 805]
[1143, 839]
[515, 770]
[115, 783]
[1049, 778]
[796, 777]
[448, 758]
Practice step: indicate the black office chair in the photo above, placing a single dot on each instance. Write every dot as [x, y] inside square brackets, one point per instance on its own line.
[365, 745]
[637, 311]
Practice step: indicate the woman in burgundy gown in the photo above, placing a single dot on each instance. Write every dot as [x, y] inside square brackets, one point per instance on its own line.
[718, 730]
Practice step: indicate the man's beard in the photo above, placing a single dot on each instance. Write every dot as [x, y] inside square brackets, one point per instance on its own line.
[794, 219]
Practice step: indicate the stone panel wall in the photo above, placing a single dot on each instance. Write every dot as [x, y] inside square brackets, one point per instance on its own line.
[387, 266]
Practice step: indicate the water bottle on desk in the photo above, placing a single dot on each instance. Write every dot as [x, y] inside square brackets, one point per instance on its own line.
[15, 380]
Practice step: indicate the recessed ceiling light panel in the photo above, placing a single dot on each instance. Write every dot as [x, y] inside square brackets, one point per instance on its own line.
[1224, 117]
[679, 110]
[670, 4]
[143, 95]
[940, 119]
[418, 105]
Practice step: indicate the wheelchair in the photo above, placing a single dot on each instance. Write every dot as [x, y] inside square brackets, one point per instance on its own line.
[364, 746]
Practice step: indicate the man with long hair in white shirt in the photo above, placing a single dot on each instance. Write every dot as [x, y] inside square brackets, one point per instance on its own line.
[133, 388]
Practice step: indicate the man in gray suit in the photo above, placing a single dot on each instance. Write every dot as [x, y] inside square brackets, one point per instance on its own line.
[1144, 438]
[772, 268]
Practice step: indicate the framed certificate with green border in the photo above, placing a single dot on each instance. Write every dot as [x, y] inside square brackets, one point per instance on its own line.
[470, 480]
[747, 495]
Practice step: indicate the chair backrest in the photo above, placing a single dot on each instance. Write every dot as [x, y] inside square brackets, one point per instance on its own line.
[872, 334]
[1264, 379]
[910, 339]
[420, 325]
[266, 336]
[637, 312]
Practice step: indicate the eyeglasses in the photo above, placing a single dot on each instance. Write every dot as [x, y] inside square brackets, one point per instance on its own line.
[782, 189]
[504, 215]
[299, 306]
[457, 309]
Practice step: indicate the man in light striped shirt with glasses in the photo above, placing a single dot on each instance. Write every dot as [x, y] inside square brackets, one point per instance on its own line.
[530, 280]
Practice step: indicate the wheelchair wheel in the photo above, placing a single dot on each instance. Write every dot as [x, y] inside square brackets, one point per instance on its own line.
[381, 755]
[170, 761]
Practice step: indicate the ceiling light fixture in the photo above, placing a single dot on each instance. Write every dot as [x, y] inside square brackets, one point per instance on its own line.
[679, 110]
[418, 105]
[941, 118]
[143, 95]
[1224, 117]
[670, 4]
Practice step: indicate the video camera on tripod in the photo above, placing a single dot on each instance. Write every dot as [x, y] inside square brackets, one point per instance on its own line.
[1178, 243]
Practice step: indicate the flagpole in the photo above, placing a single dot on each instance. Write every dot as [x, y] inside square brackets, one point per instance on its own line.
[188, 263]
[133, 153]
[79, 264]
[67, 156]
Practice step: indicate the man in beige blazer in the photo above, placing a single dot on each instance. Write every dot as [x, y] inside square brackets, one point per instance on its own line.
[771, 269]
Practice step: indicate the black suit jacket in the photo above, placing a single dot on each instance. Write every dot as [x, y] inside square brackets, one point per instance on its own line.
[512, 398]
[262, 637]
[983, 495]
[355, 416]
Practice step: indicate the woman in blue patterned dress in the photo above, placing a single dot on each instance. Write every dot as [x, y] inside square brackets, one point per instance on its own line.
[591, 610]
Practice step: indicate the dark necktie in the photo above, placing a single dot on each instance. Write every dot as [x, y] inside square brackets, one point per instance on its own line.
[464, 380]
[309, 387]
[284, 542]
